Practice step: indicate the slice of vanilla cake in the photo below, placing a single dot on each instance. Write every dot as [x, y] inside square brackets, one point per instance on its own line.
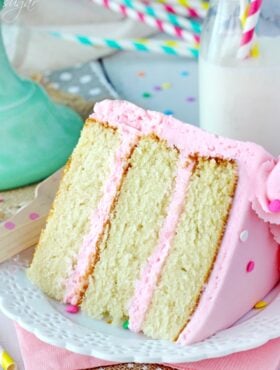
[151, 227]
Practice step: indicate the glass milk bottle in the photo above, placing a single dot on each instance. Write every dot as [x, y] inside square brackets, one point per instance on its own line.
[240, 98]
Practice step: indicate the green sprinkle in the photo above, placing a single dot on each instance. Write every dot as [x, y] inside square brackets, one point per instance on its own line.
[146, 95]
[126, 325]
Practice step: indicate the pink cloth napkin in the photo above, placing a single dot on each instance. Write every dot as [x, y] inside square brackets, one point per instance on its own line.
[38, 355]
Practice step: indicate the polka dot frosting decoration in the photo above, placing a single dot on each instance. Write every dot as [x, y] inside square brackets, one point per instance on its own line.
[244, 235]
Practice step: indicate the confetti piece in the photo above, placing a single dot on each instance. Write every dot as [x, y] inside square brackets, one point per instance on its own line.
[141, 74]
[126, 324]
[157, 88]
[260, 305]
[166, 85]
[33, 216]
[72, 309]
[146, 95]
[250, 266]
[168, 112]
[191, 99]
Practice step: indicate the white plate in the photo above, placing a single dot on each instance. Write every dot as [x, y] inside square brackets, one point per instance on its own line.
[22, 302]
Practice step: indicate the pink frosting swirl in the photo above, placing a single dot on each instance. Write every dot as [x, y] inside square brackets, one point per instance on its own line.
[266, 200]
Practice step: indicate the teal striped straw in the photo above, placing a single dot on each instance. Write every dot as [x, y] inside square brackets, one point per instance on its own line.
[169, 47]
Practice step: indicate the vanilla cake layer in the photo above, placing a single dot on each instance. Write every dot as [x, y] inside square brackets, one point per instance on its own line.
[194, 248]
[79, 193]
[132, 233]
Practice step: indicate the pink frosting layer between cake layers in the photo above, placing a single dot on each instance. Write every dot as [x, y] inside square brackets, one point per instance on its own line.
[77, 280]
[232, 288]
[150, 274]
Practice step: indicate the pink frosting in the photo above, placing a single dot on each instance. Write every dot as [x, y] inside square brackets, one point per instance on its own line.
[145, 286]
[78, 278]
[266, 199]
[230, 291]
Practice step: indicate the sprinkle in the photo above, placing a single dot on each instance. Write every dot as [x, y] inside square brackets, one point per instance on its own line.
[191, 99]
[244, 235]
[1, 199]
[260, 304]
[184, 73]
[126, 325]
[250, 266]
[72, 309]
[157, 88]
[146, 95]
[274, 206]
[141, 74]
[6, 361]
[166, 85]
[168, 112]
[33, 216]
[130, 366]
[9, 225]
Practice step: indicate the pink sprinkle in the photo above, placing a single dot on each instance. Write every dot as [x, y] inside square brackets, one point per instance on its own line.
[33, 216]
[72, 309]
[1, 199]
[274, 206]
[9, 225]
[250, 266]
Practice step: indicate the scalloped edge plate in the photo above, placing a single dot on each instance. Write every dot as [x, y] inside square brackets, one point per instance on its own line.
[24, 303]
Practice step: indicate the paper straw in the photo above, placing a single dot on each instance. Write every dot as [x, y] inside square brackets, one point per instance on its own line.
[243, 11]
[147, 19]
[160, 13]
[248, 35]
[169, 47]
[6, 360]
[195, 9]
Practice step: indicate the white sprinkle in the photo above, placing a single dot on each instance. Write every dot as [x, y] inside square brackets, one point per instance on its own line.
[130, 366]
[73, 89]
[144, 367]
[95, 91]
[65, 76]
[244, 235]
[158, 368]
[85, 79]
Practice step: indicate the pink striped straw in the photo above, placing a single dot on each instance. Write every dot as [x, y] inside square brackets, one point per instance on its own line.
[248, 35]
[162, 26]
[186, 8]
